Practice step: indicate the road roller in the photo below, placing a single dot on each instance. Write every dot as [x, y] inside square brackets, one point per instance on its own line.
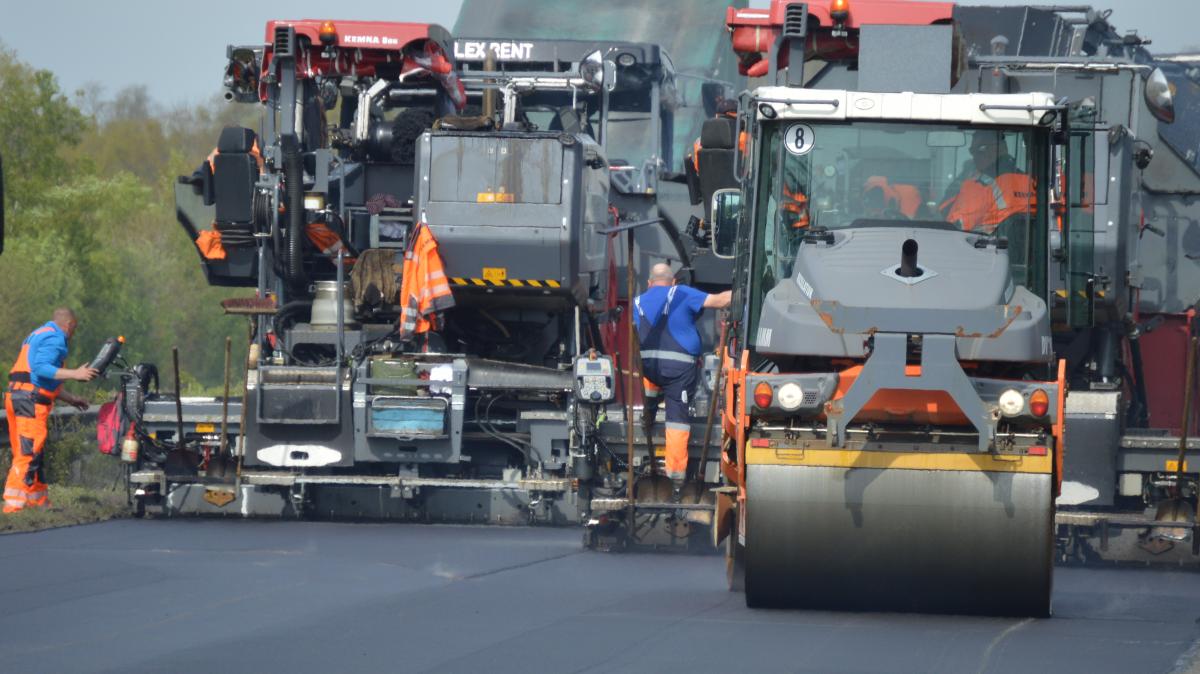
[893, 402]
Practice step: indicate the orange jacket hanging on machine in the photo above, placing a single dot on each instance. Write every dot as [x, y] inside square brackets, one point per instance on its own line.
[424, 290]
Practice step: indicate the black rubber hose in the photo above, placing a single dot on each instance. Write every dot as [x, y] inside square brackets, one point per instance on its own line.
[293, 176]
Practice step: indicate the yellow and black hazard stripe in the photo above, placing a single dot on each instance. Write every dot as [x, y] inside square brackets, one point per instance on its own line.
[504, 283]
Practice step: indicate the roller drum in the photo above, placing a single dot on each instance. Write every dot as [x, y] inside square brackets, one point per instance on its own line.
[886, 539]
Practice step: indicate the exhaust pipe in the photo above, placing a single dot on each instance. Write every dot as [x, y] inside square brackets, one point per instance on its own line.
[908, 260]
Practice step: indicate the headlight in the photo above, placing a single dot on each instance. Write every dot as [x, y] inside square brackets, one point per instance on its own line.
[790, 395]
[314, 202]
[591, 69]
[1159, 97]
[1011, 403]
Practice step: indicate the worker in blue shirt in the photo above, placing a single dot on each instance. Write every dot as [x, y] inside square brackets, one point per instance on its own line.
[665, 316]
[34, 383]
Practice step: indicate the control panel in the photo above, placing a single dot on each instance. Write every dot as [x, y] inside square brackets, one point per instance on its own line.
[594, 380]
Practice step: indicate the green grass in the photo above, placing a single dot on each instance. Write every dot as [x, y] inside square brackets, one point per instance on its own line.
[69, 506]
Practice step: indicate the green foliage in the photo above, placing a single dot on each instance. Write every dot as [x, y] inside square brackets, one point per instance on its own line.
[37, 123]
[91, 224]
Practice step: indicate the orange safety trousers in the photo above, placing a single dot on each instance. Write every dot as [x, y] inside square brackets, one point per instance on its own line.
[28, 413]
[678, 432]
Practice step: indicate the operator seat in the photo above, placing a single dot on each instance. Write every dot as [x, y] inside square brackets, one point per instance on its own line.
[235, 171]
[718, 148]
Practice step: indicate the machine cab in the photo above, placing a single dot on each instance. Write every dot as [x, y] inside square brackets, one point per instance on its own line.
[826, 167]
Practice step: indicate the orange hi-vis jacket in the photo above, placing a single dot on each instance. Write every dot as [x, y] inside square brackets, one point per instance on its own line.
[901, 196]
[983, 202]
[795, 204]
[424, 290]
[209, 243]
[28, 408]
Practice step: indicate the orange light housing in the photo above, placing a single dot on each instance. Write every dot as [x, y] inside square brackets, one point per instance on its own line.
[1038, 450]
[1039, 403]
[500, 197]
[839, 10]
[763, 394]
[327, 32]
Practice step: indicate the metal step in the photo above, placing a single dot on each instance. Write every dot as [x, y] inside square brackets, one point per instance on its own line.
[1090, 519]
[262, 478]
[606, 505]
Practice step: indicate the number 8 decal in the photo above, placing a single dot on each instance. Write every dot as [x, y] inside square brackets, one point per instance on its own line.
[799, 139]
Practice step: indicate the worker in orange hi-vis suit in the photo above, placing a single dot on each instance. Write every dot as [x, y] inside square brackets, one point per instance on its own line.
[34, 383]
[665, 316]
[996, 190]
[424, 288]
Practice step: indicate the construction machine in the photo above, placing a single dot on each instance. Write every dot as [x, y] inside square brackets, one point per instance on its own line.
[659, 216]
[893, 405]
[506, 159]
[1123, 314]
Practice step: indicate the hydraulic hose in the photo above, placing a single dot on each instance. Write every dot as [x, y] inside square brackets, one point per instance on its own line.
[293, 176]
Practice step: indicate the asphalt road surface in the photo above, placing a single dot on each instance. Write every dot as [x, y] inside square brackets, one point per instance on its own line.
[242, 596]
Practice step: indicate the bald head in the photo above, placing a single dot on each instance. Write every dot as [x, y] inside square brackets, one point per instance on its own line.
[65, 319]
[661, 275]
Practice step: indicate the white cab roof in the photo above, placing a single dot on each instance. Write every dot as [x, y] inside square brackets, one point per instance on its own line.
[836, 104]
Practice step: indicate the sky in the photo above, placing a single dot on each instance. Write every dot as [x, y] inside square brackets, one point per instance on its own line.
[177, 49]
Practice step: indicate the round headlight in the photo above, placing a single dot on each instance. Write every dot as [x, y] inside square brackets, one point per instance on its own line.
[1011, 403]
[626, 59]
[1159, 96]
[790, 395]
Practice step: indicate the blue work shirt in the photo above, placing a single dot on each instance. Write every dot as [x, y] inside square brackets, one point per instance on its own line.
[47, 353]
[686, 307]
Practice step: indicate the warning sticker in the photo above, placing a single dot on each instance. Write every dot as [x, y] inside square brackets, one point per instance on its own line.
[495, 274]
[799, 139]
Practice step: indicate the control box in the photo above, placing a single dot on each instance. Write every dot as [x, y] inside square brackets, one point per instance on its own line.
[594, 380]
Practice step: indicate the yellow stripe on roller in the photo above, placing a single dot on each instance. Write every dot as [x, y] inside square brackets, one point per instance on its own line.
[478, 281]
[552, 283]
[535, 283]
[849, 458]
[458, 281]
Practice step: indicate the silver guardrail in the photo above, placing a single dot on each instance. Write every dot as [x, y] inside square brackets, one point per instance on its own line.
[57, 416]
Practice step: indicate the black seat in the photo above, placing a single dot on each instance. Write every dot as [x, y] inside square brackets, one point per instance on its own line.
[718, 149]
[235, 171]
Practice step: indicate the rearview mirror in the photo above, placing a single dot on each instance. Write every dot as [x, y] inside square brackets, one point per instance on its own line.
[241, 75]
[946, 139]
[726, 210]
